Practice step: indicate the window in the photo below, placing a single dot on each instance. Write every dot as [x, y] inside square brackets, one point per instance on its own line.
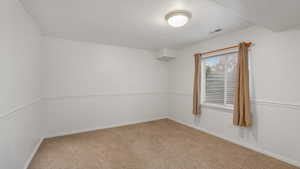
[219, 80]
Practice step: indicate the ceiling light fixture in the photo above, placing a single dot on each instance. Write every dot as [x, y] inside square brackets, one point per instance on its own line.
[178, 18]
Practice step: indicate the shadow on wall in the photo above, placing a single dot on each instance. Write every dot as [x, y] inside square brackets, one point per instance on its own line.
[253, 130]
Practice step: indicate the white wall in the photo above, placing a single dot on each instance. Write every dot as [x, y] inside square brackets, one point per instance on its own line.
[82, 92]
[19, 86]
[275, 90]
[89, 86]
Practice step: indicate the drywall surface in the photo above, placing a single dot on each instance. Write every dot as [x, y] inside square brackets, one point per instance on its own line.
[20, 104]
[274, 59]
[89, 86]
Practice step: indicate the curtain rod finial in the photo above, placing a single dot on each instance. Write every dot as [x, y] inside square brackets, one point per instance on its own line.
[248, 43]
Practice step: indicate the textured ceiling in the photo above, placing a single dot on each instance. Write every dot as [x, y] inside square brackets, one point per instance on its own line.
[131, 23]
[277, 15]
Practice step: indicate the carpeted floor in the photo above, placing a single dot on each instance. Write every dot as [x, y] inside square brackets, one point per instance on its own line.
[162, 144]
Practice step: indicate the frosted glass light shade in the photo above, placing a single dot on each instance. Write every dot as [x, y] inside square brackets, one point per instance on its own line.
[178, 18]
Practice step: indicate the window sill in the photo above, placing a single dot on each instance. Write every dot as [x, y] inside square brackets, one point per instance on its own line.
[215, 106]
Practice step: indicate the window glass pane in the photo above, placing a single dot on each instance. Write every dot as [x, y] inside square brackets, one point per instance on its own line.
[219, 79]
[214, 77]
[230, 78]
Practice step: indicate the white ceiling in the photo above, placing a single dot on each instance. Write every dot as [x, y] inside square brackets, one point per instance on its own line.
[277, 15]
[141, 24]
[131, 23]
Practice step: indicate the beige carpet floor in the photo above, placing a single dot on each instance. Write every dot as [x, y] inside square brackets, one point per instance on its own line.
[162, 144]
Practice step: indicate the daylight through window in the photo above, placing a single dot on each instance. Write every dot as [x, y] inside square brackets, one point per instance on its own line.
[219, 79]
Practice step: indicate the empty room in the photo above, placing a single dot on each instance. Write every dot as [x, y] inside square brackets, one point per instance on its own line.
[149, 84]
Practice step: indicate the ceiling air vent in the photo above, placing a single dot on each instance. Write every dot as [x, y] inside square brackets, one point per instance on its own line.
[216, 30]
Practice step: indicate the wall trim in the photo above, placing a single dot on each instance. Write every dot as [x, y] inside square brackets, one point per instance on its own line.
[37, 146]
[105, 94]
[181, 93]
[15, 110]
[249, 146]
[105, 127]
[18, 108]
[262, 102]
[277, 103]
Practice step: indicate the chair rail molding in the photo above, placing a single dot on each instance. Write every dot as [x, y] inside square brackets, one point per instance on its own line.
[105, 94]
[18, 108]
[262, 102]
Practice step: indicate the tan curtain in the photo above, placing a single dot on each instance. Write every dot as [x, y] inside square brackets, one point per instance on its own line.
[242, 114]
[197, 86]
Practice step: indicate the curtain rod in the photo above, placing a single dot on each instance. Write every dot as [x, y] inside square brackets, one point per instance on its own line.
[218, 50]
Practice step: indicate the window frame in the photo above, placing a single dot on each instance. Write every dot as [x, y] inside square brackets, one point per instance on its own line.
[203, 84]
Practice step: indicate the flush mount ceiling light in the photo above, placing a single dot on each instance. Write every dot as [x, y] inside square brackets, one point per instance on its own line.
[178, 18]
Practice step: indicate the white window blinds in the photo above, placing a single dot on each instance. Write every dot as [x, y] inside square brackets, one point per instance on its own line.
[219, 79]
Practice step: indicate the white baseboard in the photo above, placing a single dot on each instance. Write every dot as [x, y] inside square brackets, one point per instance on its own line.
[33, 153]
[104, 127]
[268, 153]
